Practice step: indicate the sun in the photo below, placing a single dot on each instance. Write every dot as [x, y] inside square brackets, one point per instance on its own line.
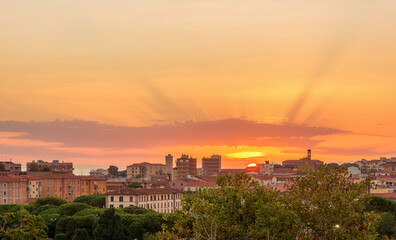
[252, 165]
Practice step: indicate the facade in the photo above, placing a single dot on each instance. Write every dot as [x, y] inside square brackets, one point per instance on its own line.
[12, 167]
[54, 166]
[34, 187]
[211, 166]
[145, 169]
[92, 185]
[185, 166]
[266, 168]
[162, 200]
[13, 190]
[354, 171]
[66, 186]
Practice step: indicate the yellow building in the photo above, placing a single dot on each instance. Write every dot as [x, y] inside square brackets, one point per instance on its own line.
[34, 187]
[162, 200]
[91, 185]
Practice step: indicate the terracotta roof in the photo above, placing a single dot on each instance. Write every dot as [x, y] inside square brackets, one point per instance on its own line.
[385, 195]
[59, 176]
[263, 177]
[12, 179]
[128, 191]
[92, 178]
[201, 184]
[385, 178]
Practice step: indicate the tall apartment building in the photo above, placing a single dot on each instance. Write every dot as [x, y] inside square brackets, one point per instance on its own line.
[12, 167]
[91, 185]
[163, 200]
[54, 166]
[185, 166]
[145, 169]
[13, 190]
[211, 166]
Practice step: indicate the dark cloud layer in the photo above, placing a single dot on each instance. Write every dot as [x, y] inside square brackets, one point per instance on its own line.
[229, 132]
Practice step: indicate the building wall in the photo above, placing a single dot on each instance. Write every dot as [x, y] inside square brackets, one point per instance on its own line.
[87, 186]
[13, 192]
[163, 203]
[211, 166]
[185, 166]
[66, 188]
[12, 167]
[34, 188]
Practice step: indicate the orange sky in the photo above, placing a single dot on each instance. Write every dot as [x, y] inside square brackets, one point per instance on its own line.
[259, 79]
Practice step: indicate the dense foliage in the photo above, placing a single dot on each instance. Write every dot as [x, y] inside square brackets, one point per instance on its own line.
[56, 218]
[320, 205]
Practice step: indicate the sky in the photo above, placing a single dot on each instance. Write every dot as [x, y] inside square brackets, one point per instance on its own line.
[119, 82]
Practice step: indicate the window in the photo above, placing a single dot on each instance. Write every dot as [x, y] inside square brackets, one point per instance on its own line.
[111, 205]
[155, 198]
[121, 206]
[131, 199]
[121, 199]
[4, 201]
[5, 193]
[111, 199]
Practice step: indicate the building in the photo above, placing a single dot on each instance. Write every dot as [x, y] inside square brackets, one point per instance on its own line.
[54, 166]
[303, 162]
[211, 166]
[169, 163]
[143, 170]
[266, 168]
[91, 185]
[352, 170]
[66, 186]
[162, 200]
[185, 166]
[12, 167]
[390, 167]
[34, 187]
[13, 190]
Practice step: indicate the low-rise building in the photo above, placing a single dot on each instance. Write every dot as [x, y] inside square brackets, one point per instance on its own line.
[34, 187]
[91, 185]
[54, 166]
[143, 170]
[266, 168]
[163, 200]
[11, 167]
[13, 190]
[66, 186]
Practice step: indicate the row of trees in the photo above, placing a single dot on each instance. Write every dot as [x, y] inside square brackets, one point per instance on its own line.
[83, 219]
[320, 205]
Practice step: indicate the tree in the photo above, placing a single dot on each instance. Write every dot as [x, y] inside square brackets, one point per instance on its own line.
[2, 168]
[81, 234]
[66, 226]
[22, 225]
[69, 209]
[109, 226]
[46, 169]
[122, 173]
[95, 200]
[33, 167]
[134, 185]
[387, 225]
[330, 206]
[113, 170]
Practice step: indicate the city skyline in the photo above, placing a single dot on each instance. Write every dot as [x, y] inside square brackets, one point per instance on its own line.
[98, 82]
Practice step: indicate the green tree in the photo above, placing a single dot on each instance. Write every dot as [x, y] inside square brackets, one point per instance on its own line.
[69, 209]
[2, 168]
[81, 234]
[60, 236]
[387, 225]
[113, 170]
[66, 225]
[95, 200]
[109, 226]
[22, 225]
[46, 169]
[134, 185]
[330, 206]
[33, 167]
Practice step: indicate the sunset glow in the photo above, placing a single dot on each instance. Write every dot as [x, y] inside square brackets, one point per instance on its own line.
[97, 82]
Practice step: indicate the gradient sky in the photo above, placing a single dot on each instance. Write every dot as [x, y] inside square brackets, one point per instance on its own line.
[117, 82]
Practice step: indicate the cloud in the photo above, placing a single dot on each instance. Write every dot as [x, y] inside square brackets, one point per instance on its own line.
[231, 132]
